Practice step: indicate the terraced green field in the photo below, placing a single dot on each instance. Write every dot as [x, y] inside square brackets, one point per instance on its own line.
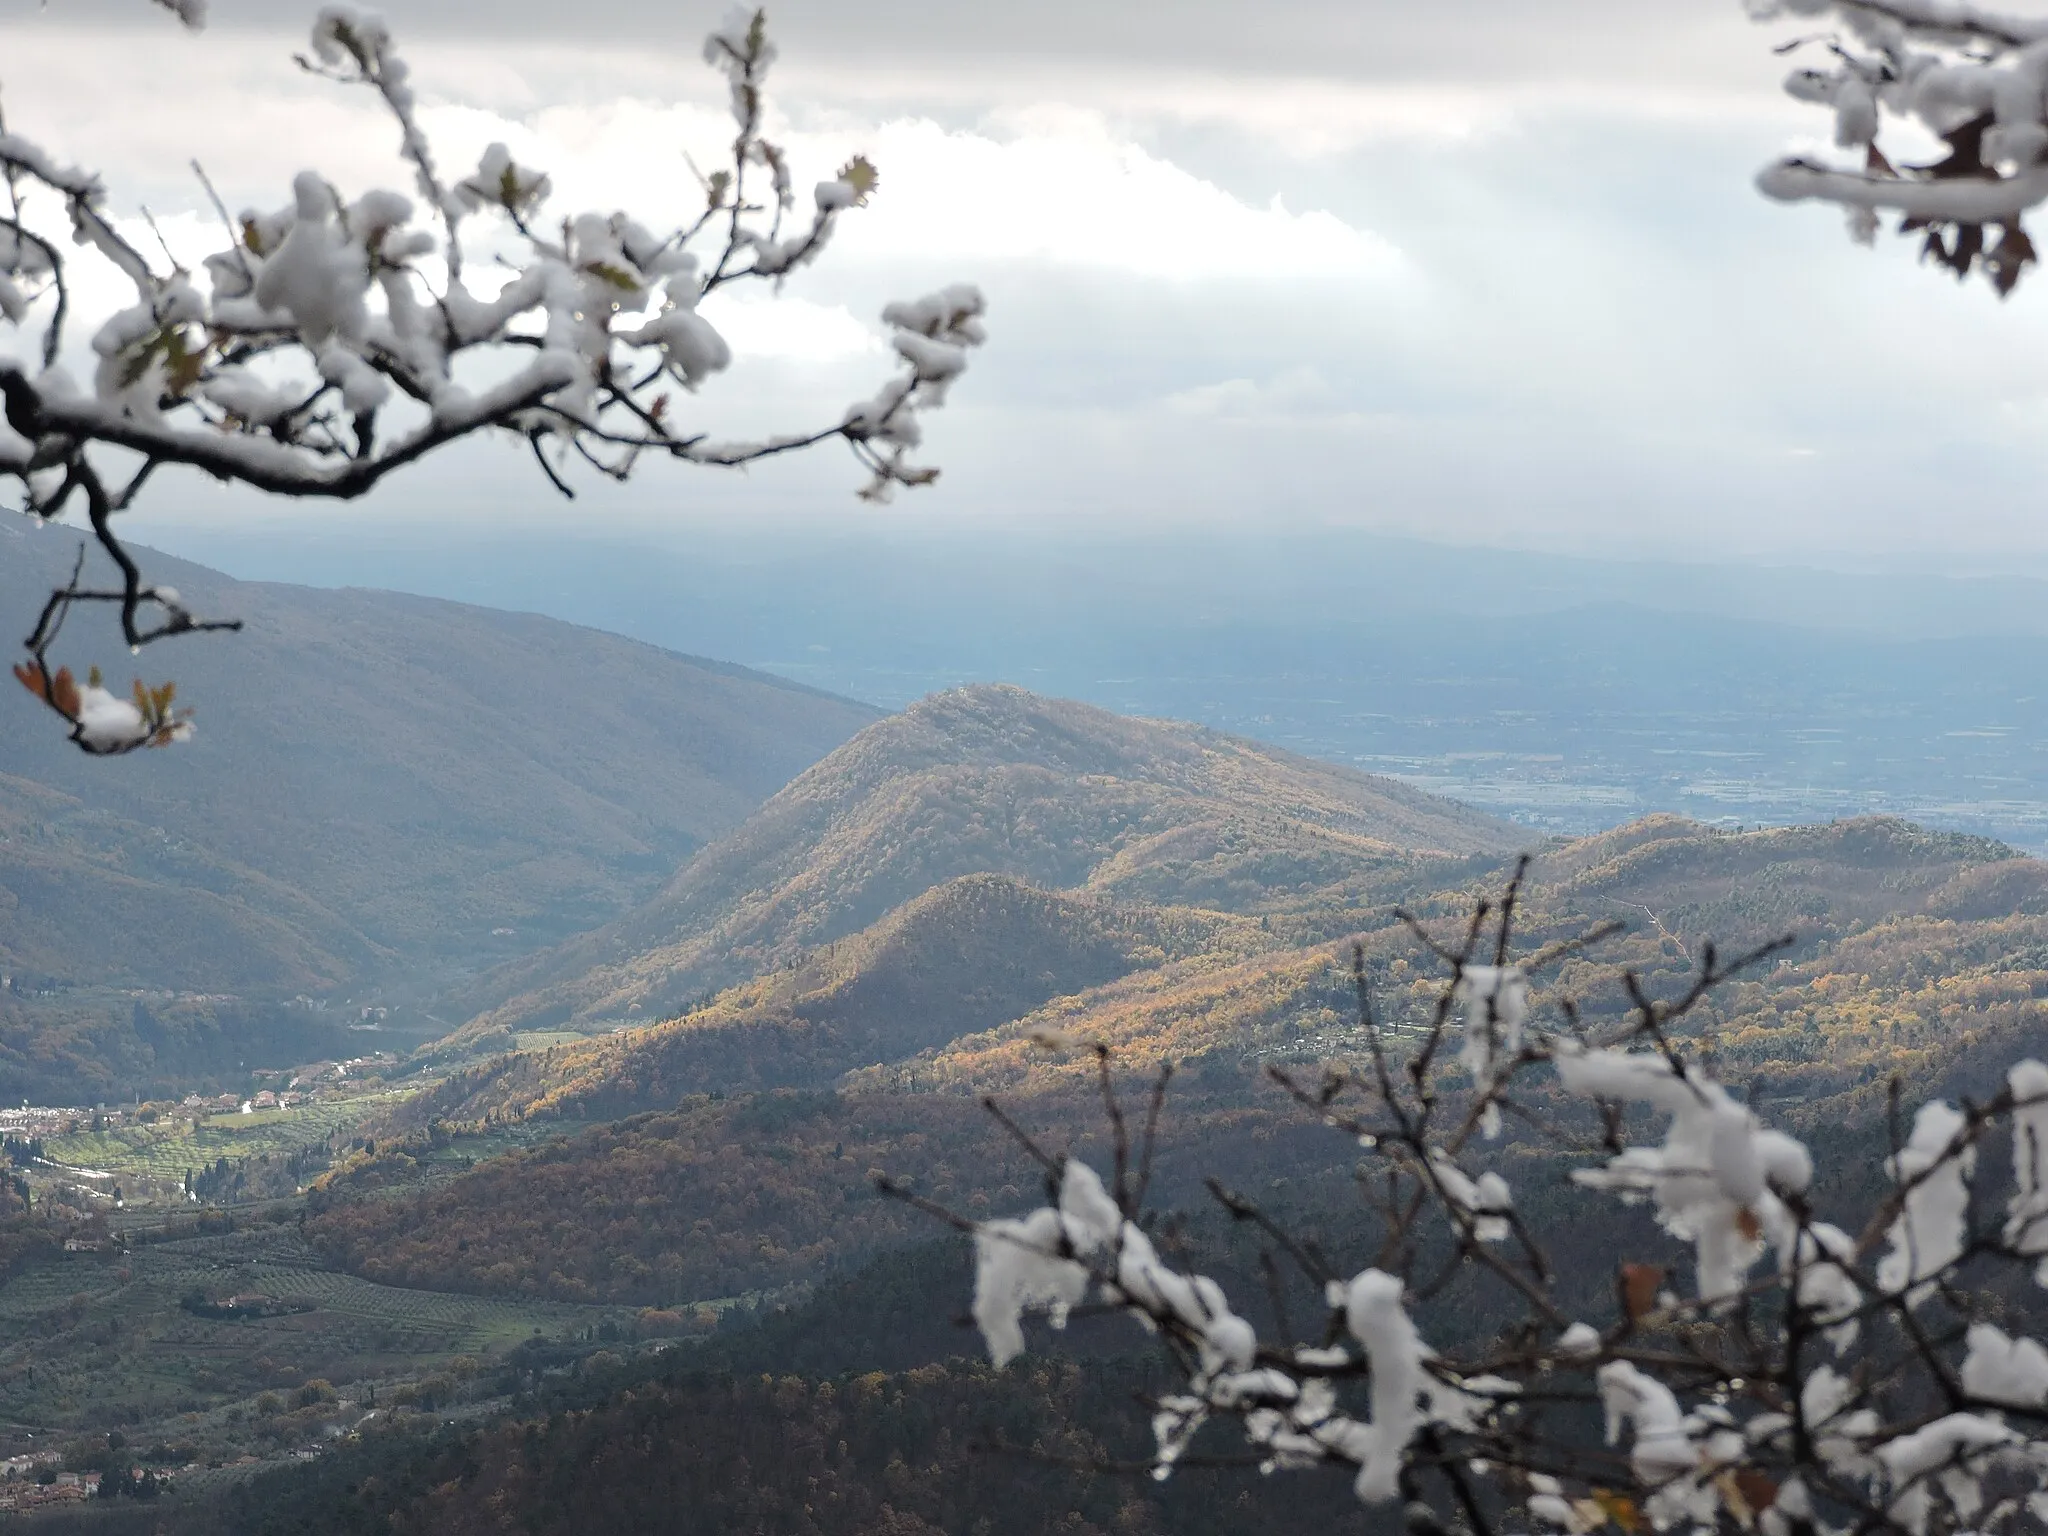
[168, 1151]
[541, 1039]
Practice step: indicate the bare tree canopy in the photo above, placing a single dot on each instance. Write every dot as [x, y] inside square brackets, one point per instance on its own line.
[1811, 1378]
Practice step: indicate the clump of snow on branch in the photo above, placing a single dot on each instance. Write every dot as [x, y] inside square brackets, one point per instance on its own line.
[1485, 1202]
[1933, 1169]
[338, 337]
[1055, 1257]
[2002, 1369]
[1949, 1457]
[103, 723]
[1717, 1179]
[1825, 1394]
[1669, 1448]
[1496, 1004]
[2026, 1225]
[1974, 78]
[932, 335]
[1394, 1352]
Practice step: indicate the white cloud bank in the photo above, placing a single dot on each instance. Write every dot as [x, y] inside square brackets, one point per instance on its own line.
[1547, 310]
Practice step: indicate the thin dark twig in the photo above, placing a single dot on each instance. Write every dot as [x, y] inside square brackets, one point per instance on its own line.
[1311, 1264]
[1507, 910]
[535, 441]
[895, 1190]
[1150, 1139]
[1559, 949]
[1119, 1133]
[1023, 1139]
[1276, 1293]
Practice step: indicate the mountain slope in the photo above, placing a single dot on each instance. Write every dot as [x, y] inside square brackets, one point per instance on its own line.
[1923, 953]
[992, 779]
[419, 772]
[967, 955]
[1909, 946]
[386, 794]
[88, 897]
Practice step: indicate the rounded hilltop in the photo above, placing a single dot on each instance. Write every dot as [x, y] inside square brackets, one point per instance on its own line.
[992, 779]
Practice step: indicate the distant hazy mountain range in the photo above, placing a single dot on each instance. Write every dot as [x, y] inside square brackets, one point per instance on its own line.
[1571, 694]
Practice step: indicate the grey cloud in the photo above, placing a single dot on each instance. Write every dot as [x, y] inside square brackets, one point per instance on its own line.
[1643, 42]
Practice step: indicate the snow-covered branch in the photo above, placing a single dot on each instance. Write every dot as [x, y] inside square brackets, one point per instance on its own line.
[335, 341]
[1806, 1380]
[1975, 79]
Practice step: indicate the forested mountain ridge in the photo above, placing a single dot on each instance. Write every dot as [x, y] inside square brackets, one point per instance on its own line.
[427, 770]
[1898, 929]
[1908, 945]
[385, 793]
[1919, 952]
[992, 779]
[972, 953]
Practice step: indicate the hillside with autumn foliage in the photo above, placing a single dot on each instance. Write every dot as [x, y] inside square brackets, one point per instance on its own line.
[993, 780]
[1914, 951]
[1906, 940]
[967, 955]
[1908, 945]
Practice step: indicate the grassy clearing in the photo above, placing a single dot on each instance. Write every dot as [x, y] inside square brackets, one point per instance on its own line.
[98, 1340]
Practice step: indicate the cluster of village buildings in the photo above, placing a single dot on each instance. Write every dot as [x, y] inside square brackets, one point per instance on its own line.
[23, 1488]
[38, 1481]
[306, 1084]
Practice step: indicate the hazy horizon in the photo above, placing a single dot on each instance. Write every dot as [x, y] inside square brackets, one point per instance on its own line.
[1570, 694]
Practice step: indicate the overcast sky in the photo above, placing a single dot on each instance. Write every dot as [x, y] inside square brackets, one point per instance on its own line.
[1477, 270]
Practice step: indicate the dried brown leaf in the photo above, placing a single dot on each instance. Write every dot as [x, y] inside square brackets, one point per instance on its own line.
[1639, 1286]
[1965, 155]
[1619, 1508]
[64, 693]
[33, 678]
[1758, 1490]
[2006, 262]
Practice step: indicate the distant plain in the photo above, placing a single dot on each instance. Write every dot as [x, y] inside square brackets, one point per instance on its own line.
[1570, 694]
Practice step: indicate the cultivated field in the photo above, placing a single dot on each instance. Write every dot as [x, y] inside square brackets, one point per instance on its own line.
[168, 1150]
[100, 1339]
